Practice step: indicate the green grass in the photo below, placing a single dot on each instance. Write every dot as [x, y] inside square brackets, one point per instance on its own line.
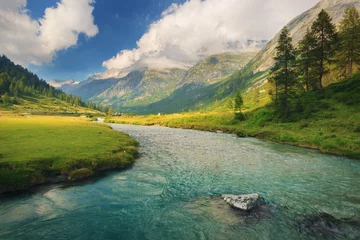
[43, 105]
[328, 121]
[36, 150]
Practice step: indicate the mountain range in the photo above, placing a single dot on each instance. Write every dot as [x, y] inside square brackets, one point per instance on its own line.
[214, 79]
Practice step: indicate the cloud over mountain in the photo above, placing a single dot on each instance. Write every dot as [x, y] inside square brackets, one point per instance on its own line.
[36, 41]
[188, 32]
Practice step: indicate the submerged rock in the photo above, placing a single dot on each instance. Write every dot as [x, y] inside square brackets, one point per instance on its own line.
[243, 202]
[328, 226]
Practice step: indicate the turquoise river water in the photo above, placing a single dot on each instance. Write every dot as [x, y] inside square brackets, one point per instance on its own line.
[172, 192]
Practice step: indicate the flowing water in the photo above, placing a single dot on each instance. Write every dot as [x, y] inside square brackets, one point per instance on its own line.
[172, 193]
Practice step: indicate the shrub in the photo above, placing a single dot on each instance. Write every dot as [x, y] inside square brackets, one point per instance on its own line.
[80, 174]
[357, 129]
[260, 118]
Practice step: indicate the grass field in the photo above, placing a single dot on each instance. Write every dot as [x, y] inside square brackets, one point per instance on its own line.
[43, 105]
[36, 150]
[328, 121]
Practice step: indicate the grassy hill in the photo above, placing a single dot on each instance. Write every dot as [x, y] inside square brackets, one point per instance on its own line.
[22, 92]
[327, 121]
[44, 105]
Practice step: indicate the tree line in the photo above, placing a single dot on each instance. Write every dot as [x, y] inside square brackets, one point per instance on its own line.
[303, 68]
[17, 82]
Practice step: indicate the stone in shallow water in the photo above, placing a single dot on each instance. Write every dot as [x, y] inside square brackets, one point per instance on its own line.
[243, 202]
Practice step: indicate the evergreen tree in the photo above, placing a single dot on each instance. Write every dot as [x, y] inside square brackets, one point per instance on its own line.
[12, 88]
[77, 102]
[110, 111]
[50, 92]
[305, 60]
[238, 103]
[283, 73]
[325, 35]
[349, 44]
[6, 99]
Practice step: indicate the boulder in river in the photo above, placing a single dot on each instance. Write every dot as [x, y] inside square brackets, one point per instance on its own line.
[243, 202]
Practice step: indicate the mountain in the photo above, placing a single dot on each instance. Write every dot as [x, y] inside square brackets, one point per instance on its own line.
[254, 74]
[213, 68]
[92, 87]
[297, 28]
[214, 79]
[139, 89]
[64, 85]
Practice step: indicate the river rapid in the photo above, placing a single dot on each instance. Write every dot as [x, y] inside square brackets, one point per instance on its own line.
[172, 192]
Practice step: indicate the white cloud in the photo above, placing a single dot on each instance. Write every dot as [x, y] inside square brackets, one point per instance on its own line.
[188, 32]
[26, 40]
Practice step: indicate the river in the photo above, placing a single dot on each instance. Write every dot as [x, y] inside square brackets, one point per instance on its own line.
[172, 193]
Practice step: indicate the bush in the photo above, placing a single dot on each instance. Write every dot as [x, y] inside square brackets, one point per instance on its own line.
[260, 118]
[239, 116]
[80, 174]
[357, 129]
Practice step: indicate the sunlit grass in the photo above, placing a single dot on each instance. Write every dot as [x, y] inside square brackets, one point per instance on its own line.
[34, 148]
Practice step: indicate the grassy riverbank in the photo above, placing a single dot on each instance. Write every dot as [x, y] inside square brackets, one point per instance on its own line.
[37, 150]
[327, 121]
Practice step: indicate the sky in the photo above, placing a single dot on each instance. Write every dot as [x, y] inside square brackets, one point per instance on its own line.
[62, 39]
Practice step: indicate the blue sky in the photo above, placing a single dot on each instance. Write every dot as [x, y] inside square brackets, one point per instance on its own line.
[62, 39]
[121, 24]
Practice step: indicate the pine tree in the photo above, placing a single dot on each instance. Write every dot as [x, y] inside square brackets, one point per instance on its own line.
[6, 99]
[305, 60]
[110, 112]
[349, 41]
[238, 103]
[12, 88]
[50, 92]
[325, 34]
[283, 73]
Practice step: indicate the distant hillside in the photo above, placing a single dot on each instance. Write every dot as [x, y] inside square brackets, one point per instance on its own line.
[92, 87]
[22, 91]
[64, 85]
[212, 69]
[140, 90]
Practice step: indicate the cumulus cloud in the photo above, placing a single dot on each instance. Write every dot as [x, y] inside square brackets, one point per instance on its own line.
[190, 31]
[36, 41]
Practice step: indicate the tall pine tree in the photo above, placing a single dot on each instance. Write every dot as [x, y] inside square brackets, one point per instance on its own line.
[325, 34]
[349, 41]
[305, 61]
[283, 73]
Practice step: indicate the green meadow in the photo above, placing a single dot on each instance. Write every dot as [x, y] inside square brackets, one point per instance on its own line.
[36, 150]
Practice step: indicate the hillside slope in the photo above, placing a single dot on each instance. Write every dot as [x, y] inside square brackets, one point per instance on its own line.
[213, 68]
[141, 88]
[175, 90]
[23, 92]
[297, 28]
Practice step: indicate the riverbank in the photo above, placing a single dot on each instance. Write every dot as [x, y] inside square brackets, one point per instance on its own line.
[39, 150]
[327, 121]
[327, 135]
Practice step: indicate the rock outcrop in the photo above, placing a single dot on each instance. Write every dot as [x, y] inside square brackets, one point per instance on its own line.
[243, 202]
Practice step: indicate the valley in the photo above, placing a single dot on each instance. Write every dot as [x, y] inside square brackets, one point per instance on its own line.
[195, 105]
